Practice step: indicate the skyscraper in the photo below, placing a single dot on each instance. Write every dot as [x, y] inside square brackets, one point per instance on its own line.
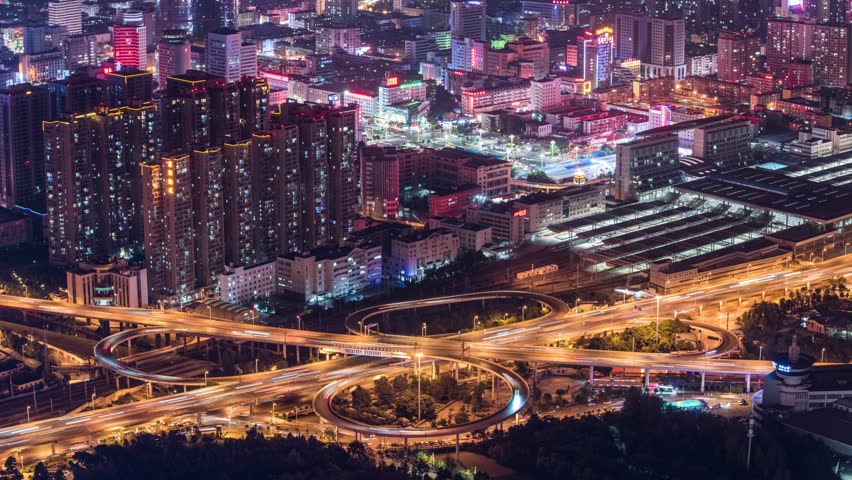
[173, 55]
[68, 13]
[228, 56]
[631, 36]
[23, 108]
[211, 15]
[667, 51]
[467, 19]
[129, 43]
[175, 15]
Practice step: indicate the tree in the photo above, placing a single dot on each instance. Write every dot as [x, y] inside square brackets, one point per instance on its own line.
[400, 384]
[476, 398]
[539, 177]
[40, 472]
[383, 390]
[361, 398]
[12, 472]
[523, 369]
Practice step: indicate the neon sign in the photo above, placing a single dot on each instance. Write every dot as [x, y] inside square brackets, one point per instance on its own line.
[392, 81]
[520, 213]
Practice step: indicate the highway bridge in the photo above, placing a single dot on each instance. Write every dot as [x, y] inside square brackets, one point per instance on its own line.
[524, 341]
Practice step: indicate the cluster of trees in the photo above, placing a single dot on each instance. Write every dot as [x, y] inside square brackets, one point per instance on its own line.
[174, 456]
[463, 316]
[768, 325]
[395, 401]
[540, 177]
[640, 339]
[645, 441]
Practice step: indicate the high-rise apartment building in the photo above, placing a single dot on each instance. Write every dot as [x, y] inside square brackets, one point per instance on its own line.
[129, 42]
[68, 13]
[76, 164]
[207, 172]
[77, 94]
[644, 165]
[379, 182]
[129, 86]
[173, 56]
[467, 19]
[328, 139]
[169, 226]
[789, 40]
[93, 182]
[738, 55]
[23, 108]
[238, 218]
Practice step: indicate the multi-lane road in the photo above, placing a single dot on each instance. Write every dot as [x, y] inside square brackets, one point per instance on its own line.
[522, 341]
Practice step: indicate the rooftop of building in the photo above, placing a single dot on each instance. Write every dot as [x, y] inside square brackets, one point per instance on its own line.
[831, 423]
[9, 215]
[440, 190]
[456, 223]
[750, 250]
[687, 125]
[769, 190]
[324, 253]
[419, 235]
[799, 233]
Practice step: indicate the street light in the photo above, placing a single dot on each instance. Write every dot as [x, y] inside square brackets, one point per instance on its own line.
[423, 329]
[523, 313]
[822, 356]
[273, 413]
[419, 356]
[255, 365]
[205, 378]
[209, 312]
[28, 414]
[93, 402]
[475, 321]
[760, 353]
[658, 319]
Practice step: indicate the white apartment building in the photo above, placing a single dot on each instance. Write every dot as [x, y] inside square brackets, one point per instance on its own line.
[326, 274]
[111, 285]
[239, 285]
[545, 94]
[412, 256]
